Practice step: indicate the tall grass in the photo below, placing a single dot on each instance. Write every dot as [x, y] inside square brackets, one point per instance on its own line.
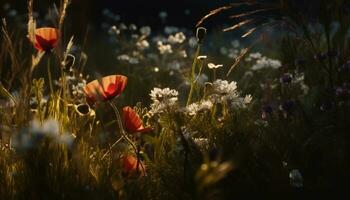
[210, 140]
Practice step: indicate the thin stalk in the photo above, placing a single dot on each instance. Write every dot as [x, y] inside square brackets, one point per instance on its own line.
[111, 147]
[214, 75]
[121, 128]
[199, 72]
[330, 71]
[192, 78]
[49, 75]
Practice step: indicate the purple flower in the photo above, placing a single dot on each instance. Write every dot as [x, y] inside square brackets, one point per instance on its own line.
[321, 56]
[213, 153]
[332, 53]
[300, 62]
[266, 110]
[326, 106]
[287, 107]
[345, 67]
[342, 92]
[286, 78]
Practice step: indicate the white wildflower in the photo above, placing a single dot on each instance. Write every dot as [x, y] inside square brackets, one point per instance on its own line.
[127, 58]
[116, 18]
[132, 27]
[202, 143]
[77, 89]
[299, 78]
[233, 53]
[177, 38]
[49, 127]
[145, 30]
[202, 57]
[174, 65]
[296, 179]
[135, 36]
[122, 26]
[275, 64]
[235, 43]
[213, 66]
[142, 45]
[265, 62]
[163, 15]
[114, 30]
[247, 99]
[192, 42]
[198, 107]
[226, 92]
[159, 38]
[248, 59]
[152, 56]
[255, 55]
[124, 57]
[134, 61]
[224, 87]
[66, 139]
[223, 50]
[305, 88]
[163, 99]
[183, 54]
[164, 48]
[201, 79]
[171, 30]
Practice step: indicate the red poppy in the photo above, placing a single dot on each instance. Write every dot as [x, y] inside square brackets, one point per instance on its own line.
[133, 122]
[106, 88]
[130, 165]
[45, 38]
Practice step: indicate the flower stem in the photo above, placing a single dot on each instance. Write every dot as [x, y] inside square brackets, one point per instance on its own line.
[121, 128]
[49, 75]
[192, 78]
[110, 148]
[214, 75]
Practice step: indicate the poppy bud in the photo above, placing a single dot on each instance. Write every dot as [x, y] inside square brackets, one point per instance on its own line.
[68, 63]
[82, 109]
[201, 32]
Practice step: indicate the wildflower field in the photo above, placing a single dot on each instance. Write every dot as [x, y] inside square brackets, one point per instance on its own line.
[252, 101]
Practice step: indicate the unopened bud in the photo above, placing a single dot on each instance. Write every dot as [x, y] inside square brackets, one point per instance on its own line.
[201, 32]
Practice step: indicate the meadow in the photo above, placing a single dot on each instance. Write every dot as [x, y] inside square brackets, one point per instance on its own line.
[257, 105]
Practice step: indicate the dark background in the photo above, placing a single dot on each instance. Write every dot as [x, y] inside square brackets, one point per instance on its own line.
[85, 17]
[83, 12]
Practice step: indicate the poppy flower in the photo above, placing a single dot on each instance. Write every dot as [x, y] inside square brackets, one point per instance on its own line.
[133, 122]
[46, 38]
[106, 88]
[131, 166]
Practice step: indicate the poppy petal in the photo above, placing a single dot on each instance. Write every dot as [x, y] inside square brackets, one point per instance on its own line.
[131, 166]
[133, 122]
[45, 38]
[106, 88]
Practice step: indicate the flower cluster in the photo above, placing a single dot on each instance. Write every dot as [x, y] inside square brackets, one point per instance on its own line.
[226, 93]
[178, 38]
[163, 99]
[38, 131]
[262, 62]
[164, 48]
[198, 107]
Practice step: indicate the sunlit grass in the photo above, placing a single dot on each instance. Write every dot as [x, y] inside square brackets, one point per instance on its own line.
[181, 116]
